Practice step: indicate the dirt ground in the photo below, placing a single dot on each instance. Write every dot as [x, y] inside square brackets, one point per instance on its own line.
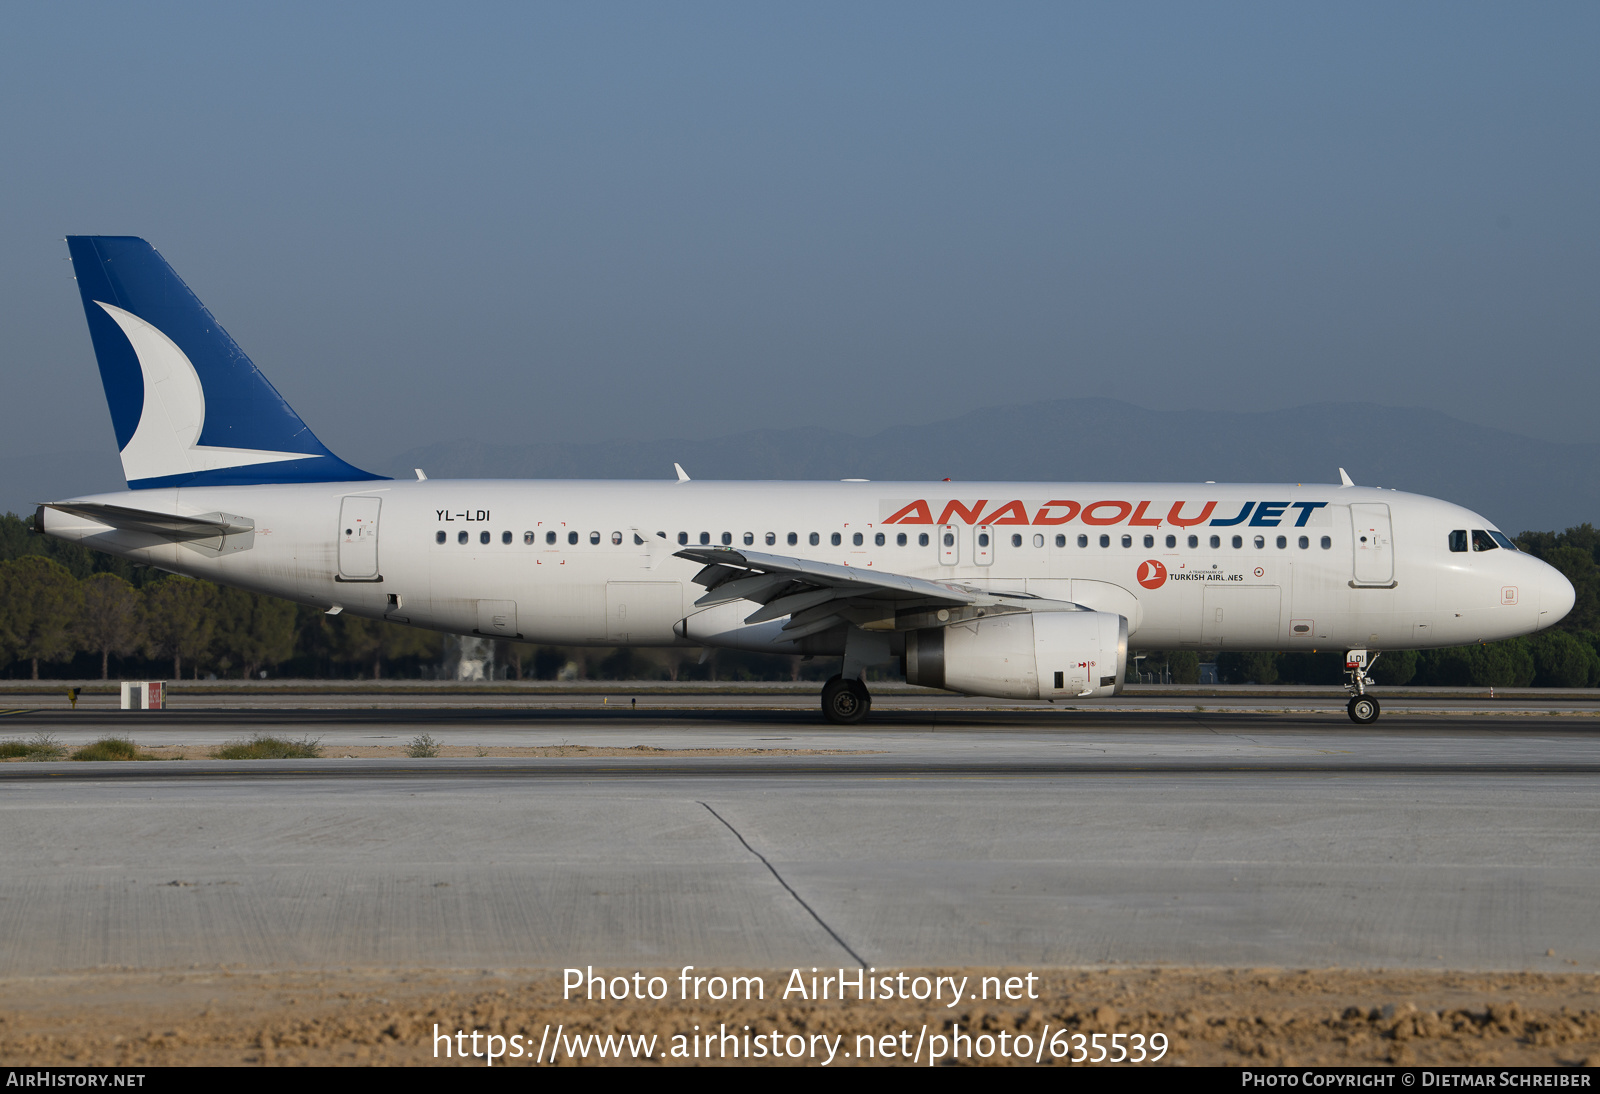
[399, 751]
[1209, 1016]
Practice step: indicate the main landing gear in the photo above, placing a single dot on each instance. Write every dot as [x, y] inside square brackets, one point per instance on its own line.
[1363, 708]
[845, 702]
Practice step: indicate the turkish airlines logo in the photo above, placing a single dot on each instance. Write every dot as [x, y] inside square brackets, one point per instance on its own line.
[1152, 574]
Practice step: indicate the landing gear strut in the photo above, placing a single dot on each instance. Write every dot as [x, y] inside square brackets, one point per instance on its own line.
[845, 702]
[1363, 708]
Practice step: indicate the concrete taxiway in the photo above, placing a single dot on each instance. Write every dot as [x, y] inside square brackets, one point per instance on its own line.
[974, 836]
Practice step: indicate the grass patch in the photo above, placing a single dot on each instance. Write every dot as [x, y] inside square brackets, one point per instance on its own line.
[44, 746]
[269, 748]
[110, 748]
[422, 747]
[11, 750]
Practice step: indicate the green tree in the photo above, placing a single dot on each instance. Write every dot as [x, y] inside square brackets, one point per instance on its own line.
[180, 621]
[621, 663]
[110, 618]
[675, 662]
[18, 540]
[1311, 667]
[515, 653]
[39, 603]
[1247, 668]
[549, 661]
[1184, 665]
[372, 641]
[1585, 537]
[1395, 667]
[1446, 668]
[1561, 660]
[252, 629]
[1507, 664]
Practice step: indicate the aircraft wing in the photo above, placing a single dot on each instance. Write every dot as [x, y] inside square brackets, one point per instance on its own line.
[820, 595]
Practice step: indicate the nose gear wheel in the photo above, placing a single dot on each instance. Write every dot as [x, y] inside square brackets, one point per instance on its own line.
[1363, 709]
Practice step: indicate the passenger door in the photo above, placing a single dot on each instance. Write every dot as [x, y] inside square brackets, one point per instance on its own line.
[1373, 542]
[358, 539]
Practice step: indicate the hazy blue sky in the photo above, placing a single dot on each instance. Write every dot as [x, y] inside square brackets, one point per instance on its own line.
[596, 221]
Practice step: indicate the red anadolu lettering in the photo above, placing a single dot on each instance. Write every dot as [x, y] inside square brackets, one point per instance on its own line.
[1140, 520]
[1056, 511]
[915, 513]
[968, 515]
[1091, 514]
[1044, 516]
[1011, 512]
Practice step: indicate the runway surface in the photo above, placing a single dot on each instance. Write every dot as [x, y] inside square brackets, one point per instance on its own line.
[970, 836]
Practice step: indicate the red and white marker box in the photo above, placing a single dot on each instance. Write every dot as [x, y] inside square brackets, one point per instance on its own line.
[144, 694]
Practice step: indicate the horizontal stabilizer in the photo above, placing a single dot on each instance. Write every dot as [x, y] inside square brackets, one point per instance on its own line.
[171, 526]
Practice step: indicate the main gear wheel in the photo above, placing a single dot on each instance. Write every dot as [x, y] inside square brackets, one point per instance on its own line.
[845, 702]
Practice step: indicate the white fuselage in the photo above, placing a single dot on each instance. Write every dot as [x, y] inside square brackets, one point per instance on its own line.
[1313, 567]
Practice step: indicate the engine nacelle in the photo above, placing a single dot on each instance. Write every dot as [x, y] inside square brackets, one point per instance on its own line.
[1037, 655]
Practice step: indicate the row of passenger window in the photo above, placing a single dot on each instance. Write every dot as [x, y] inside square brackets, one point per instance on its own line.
[771, 538]
[901, 539]
[857, 539]
[1193, 542]
[530, 538]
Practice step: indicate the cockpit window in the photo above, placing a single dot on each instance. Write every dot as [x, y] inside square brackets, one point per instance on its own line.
[1482, 542]
[1458, 540]
[1500, 538]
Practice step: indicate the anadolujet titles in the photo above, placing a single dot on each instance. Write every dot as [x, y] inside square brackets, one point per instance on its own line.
[1019, 590]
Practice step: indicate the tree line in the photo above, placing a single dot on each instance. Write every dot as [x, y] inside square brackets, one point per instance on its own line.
[70, 612]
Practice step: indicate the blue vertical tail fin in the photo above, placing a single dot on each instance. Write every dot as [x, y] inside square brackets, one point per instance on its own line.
[189, 408]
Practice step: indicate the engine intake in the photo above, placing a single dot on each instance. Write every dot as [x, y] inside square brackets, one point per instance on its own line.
[1039, 655]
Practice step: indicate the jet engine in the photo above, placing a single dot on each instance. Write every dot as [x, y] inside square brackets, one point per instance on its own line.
[1034, 655]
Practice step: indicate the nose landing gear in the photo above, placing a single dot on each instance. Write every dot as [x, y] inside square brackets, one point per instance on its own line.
[1363, 708]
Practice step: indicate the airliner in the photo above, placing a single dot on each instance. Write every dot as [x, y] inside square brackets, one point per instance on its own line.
[1014, 590]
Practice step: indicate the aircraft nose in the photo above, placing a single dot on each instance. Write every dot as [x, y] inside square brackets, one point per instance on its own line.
[1556, 596]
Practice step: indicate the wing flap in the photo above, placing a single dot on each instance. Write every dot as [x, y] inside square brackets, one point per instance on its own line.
[725, 564]
[816, 626]
[789, 605]
[757, 587]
